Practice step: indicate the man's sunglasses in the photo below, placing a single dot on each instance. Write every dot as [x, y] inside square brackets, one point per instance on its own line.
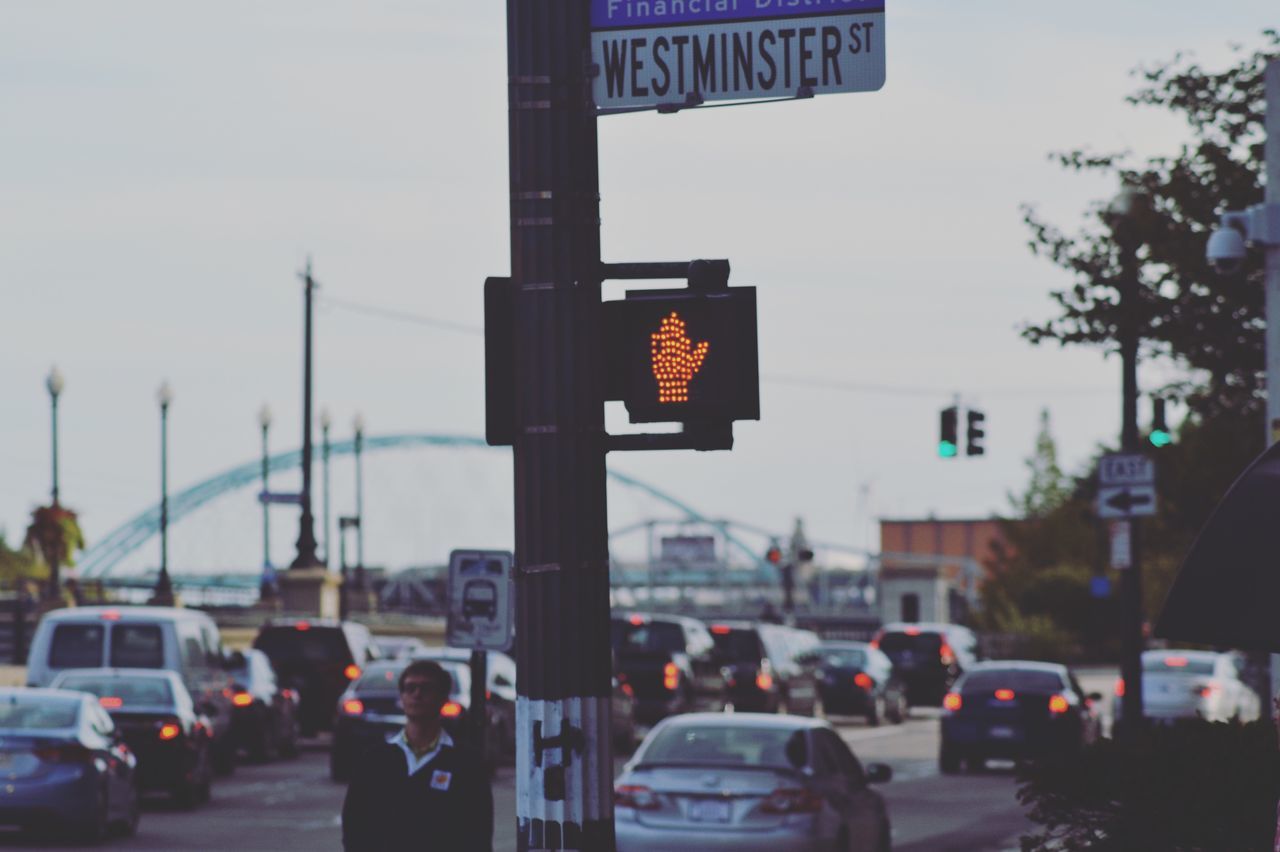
[420, 687]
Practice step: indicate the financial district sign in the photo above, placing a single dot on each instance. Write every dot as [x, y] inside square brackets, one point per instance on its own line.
[651, 53]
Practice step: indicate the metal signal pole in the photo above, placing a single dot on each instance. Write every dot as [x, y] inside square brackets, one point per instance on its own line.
[564, 790]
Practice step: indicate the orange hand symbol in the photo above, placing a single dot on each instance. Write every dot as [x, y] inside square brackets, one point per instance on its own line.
[675, 359]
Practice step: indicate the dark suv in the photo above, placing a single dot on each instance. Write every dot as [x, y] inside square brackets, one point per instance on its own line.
[770, 668]
[669, 663]
[928, 657]
[318, 659]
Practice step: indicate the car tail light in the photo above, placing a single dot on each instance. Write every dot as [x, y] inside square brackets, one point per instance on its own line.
[353, 707]
[242, 699]
[720, 629]
[863, 680]
[636, 620]
[451, 709]
[1176, 662]
[764, 680]
[65, 753]
[628, 690]
[946, 655]
[1119, 687]
[670, 677]
[302, 625]
[111, 702]
[875, 640]
[1209, 690]
[635, 796]
[1058, 704]
[1004, 695]
[168, 731]
[951, 701]
[352, 671]
[792, 800]
[288, 694]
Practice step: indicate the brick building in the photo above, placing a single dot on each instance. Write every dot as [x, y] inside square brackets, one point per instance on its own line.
[931, 569]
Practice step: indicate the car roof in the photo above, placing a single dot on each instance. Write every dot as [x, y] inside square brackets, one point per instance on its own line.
[655, 616]
[744, 720]
[124, 613]
[1019, 665]
[1189, 654]
[923, 626]
[155, 674]
[42, 692]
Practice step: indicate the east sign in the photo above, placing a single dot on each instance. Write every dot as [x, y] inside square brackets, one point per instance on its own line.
[656, 53]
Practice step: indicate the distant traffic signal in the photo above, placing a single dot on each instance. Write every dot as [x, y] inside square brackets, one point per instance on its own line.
[773, 555]
[1160, 435]
[976, 433]
[949, 437]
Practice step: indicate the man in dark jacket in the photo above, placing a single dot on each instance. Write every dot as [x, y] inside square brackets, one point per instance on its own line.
[420, 791]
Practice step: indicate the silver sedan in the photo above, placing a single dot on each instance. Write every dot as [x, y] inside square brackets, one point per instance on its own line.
[1194, 685]
[747, 782]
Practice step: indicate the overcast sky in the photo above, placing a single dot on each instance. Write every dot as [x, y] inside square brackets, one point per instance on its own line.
[167, 168]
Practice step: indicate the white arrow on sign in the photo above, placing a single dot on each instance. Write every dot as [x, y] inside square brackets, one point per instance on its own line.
[1127, 501]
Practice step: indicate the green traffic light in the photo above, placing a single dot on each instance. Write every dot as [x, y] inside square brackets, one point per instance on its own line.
[946, 449]
[1160, 438]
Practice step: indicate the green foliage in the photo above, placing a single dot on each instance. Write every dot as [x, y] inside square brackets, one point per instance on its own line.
[1211, 326]
[55, 533]
[17, 565]
[1192, 786]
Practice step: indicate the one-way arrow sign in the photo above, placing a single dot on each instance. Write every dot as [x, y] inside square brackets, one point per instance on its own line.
[1127, 501]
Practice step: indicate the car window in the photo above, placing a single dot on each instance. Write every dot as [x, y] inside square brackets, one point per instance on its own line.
[100, 722]
[212, 646]
[76, 646]
[289, 645]
[137, 646]
[648, 636]
[130, 691]
[1177, 664]
[699, 640]
[921, 644]
[736, 645]
[1028, 680]
[853, 658]
[41, 714]
[725, 744]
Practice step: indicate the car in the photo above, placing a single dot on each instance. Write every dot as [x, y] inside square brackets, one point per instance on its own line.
[370, 712]
[176, 639]
[1194, 685]
[264, 714]
[928, 657]
[669, 663]
[161, 725]
[858, 680]
[768, 668]
[750, 782]
[65, 766]
[1015, 710]
[391, 647]
[318, 659]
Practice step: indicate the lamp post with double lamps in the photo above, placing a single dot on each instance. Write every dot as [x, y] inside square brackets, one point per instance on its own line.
[54, 384]
[163, 594]
[267, 585]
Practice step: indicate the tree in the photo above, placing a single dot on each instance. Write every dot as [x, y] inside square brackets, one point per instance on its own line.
[54, 533]
[1048, 488]
[1210, 326]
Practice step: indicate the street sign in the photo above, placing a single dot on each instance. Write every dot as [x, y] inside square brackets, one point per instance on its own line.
[649, 54]
[481, 603]
[1126, 469]
[1121, 545]
[279, 497]
[1126, 501]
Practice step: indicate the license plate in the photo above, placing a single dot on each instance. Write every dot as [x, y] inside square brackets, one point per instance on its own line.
[1001, 732]
[709, 810]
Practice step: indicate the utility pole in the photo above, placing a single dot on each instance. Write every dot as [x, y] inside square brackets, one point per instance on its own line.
[306, 557]
[564, 766]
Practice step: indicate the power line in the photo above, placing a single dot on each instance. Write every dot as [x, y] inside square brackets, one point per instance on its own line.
[402, 316]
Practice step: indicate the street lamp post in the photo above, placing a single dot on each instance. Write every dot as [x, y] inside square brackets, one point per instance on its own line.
[1122, 214]
[344, 523]
[306, 557]
[267, 586]
[54, 383]
[163, 595]
[358, 426]
[325, 422]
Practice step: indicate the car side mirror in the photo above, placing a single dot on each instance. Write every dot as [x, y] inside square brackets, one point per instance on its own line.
[879, 773]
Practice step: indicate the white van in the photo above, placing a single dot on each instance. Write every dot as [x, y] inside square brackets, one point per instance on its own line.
[184, 641]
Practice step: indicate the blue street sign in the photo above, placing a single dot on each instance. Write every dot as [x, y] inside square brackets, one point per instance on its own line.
[279, 497]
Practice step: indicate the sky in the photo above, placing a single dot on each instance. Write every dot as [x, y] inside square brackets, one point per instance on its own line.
[167, 169]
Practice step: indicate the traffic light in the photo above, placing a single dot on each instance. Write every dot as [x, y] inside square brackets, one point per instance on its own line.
[774, 554]
[976, 433]
[1160, 435]
[948, 440]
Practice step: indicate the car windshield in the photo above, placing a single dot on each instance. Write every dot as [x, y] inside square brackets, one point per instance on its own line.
[694, 745]
[921, 644]
[845, 657]
[131, 691]
[32, 713]
[648, 636]
[386, 678]
[294, 645]
[736, 645]
[1176, 664]
[1019, 680]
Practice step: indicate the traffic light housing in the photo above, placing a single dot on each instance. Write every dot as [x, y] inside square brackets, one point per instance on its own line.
[949, 437]
[976, 434]
[1160, 435]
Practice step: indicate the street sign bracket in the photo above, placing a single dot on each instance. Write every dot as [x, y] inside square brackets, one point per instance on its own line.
[695, 101]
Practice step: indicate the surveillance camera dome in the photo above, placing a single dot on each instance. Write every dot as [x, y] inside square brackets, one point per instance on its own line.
[1225, 251]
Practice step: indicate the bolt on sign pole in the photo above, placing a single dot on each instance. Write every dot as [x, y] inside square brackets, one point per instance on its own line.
[564, 768]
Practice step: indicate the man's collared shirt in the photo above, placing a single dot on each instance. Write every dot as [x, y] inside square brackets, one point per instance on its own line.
[415, 763]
